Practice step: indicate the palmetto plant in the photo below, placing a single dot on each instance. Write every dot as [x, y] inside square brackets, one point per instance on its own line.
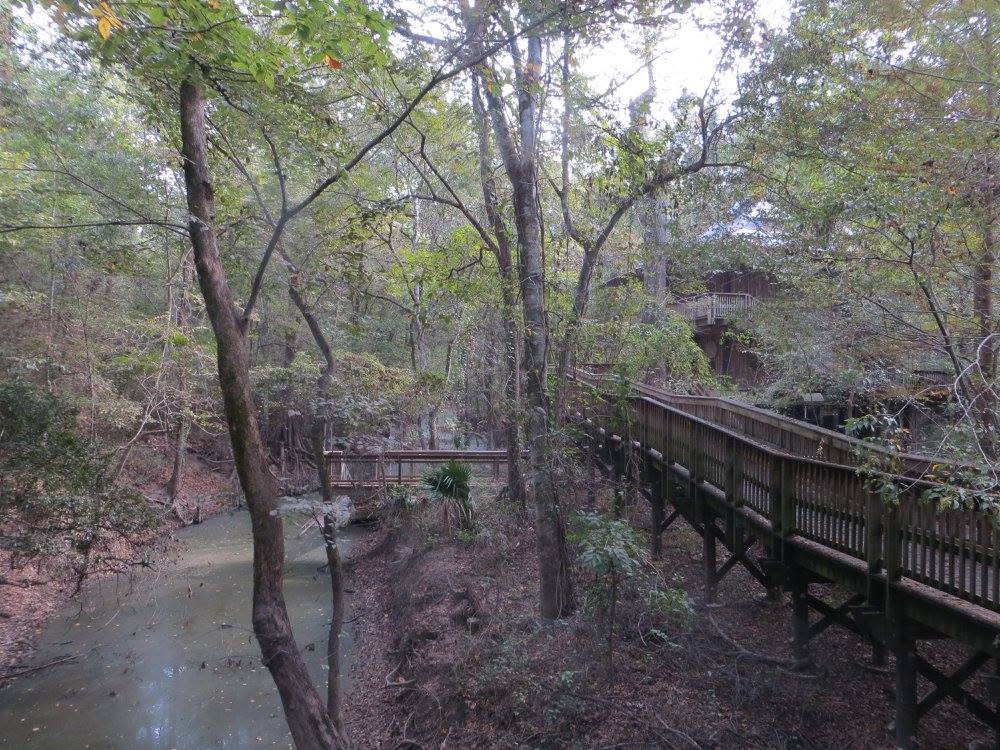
[450, 485]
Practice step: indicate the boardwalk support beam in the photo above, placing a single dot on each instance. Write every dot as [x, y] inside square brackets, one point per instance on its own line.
[711, 531]
[950, 686]
[905, 649]
[656, 509]
[800, 616]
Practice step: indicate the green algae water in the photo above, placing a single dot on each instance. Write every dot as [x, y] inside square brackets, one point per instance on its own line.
[167, 658]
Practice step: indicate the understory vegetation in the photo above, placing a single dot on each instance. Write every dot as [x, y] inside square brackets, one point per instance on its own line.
[251, 250]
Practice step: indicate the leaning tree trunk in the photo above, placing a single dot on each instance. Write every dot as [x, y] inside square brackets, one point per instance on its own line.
[333, 558]
[305, 713]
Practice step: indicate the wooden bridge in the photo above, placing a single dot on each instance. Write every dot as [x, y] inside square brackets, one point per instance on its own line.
[375, 471]
[787, 502]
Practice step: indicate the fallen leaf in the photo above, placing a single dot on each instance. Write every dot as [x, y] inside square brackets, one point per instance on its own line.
[332, 62]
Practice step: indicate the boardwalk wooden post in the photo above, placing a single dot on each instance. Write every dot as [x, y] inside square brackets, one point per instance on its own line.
[776, 505]
[619, 464]
[800, 616]
[657, 475]
[873, 546]
[788, 521]
[901, 636]
[668, 452]
[775, 495]
[996, 702]
[709, 550]
[875, 591]
[593, 445]
[704, 514]
[904, 647]
[891, 561]
[734, 493]
[668, 440]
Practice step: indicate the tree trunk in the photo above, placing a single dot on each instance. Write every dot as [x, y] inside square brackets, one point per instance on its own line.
[334, 563]
[333, 559]
[180, 319]
[432, 430]
[336, 622]
[517, 488]
[556, 597]
[180, 455]
[520, 161]
[307, 718]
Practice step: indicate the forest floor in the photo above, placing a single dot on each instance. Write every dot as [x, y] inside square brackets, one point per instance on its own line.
[25, 610]
[425, 675]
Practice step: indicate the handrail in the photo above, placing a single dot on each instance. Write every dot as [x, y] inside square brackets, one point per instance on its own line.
[403, 466]
[713, 306]
[953, 550]
[423, 455]
[792, 435]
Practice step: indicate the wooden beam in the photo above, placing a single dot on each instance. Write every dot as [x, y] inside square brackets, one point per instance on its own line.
[831, 615]
[739, 556]
[950, 686]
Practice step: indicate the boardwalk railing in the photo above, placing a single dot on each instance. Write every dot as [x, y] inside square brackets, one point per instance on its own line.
[746, 459]
[955, 551]
[404, 466]
[707, 309]
[789, 435]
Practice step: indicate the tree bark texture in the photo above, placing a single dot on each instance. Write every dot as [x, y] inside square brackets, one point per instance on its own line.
[305, 712]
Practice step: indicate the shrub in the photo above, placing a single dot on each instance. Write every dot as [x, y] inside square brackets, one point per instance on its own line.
[400, 496]
[56, 490]
[615, 554]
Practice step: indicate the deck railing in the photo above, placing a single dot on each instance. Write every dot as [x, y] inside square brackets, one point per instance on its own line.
[951, 550]
[788, 434]
[404, 466]
[707, 309]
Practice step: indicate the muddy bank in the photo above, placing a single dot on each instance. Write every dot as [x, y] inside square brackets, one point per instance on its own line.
[429, 678]
[167, 659]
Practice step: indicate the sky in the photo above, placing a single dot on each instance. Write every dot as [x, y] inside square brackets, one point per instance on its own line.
[686, 56]
[686, 59]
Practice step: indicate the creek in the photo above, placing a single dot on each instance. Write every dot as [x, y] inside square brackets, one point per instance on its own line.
[166, 658]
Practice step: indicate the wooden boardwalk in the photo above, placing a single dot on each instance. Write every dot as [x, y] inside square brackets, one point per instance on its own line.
[787, 502]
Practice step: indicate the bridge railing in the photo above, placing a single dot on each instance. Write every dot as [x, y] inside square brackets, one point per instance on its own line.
[952, 550]
[790, 435]
[405, 466]
[716, 306]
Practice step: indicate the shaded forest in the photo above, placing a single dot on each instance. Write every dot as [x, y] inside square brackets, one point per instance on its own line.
[401, 283]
